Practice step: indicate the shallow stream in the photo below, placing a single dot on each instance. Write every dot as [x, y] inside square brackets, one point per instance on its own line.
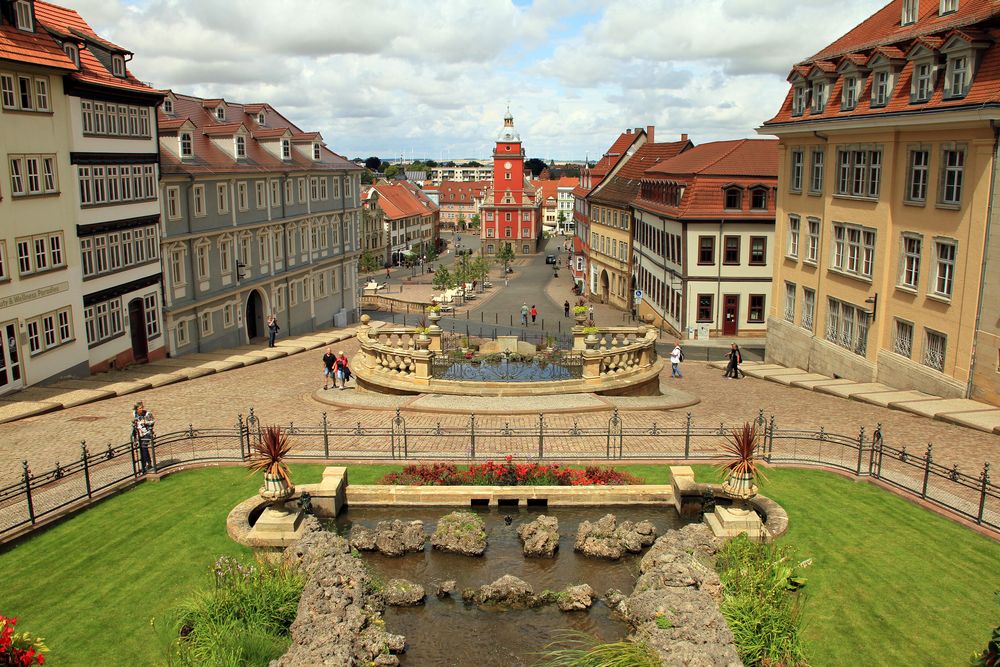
[450, 632]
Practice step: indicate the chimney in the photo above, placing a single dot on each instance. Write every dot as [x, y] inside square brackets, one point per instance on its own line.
[649, 134]
[684, 137]
[628, 130]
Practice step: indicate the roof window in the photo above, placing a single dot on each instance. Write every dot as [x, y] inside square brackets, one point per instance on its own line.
[118, 66]
[286, 149]
[73, 52]
[186, 145]
[948, 7]
[168, 105]
[23, 16]
[261, 117]
[220, 112]
[911, 12]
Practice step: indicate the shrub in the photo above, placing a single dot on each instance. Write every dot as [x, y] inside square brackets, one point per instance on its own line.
[759, 604]
[990, 657]
[578, 649]
[508, 473]
[243, 619]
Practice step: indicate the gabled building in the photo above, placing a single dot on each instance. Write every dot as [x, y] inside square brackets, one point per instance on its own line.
[512, 212]
[411, 219]
[459, 201]
[79, 260]
[611, 226]
[259, 218]
[557, 203]
[703, 242]
[590, 177]
[885, 223]
[374, 230]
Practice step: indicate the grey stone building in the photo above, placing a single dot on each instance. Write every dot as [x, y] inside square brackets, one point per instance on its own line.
[258, 218]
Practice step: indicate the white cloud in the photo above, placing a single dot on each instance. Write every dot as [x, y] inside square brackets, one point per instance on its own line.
[390, 76]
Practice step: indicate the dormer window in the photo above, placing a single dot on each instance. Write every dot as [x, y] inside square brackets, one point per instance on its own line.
[168, 105]
[758, 199]
[818, 96]
[241, 147]
[286, 149]
[948, 7]
[911, 12]
[23, 16]
[734, 198]
[850, 95]
[73, 52]
[881, 89]
[261, 117]
[186, 145]
[220, 112]
[316, 153]
[118, 66]
[800, 97]
[923, 82]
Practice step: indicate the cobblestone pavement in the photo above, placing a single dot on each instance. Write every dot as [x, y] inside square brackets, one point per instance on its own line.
[280, 392]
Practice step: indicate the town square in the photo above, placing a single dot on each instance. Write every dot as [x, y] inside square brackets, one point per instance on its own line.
[500, 333]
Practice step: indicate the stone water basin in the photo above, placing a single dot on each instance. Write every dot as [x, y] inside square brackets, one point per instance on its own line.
[451, 632]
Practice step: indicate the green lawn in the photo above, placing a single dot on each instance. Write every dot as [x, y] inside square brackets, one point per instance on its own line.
[890, 583]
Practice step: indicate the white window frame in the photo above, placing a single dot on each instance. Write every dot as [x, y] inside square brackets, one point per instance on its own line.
[917, 175]
[911, 247]
[952, 175]
[22, 16]
[185, 141]
[935, 349]
[902, 337]
[198, 199]
[945, 265]
[795, 170]
[794, 223]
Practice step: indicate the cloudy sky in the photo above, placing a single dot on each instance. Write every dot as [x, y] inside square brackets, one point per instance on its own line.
[432, 79]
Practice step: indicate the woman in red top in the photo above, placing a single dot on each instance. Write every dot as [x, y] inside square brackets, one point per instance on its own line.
[343, 370]
[534, 313]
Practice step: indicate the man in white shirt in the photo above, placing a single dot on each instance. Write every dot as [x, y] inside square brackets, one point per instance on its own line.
[675, 361]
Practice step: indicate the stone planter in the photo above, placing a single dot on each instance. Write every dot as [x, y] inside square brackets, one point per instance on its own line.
[276, 491]
[434, 316]
[740, 487]
[422, 341]
[580, 317]
[591, 341]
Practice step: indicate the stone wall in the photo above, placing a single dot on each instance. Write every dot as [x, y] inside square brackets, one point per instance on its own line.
[897, 371]
[787, 344]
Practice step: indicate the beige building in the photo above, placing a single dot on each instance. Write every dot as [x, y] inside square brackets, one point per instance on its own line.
[374, 230]
[887, 153]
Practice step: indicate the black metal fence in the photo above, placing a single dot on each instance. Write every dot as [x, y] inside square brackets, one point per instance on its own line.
[39, 495]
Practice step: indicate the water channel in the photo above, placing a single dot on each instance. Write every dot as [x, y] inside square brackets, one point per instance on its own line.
[451, 632]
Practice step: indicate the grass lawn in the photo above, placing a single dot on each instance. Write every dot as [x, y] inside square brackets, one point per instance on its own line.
[890, 583]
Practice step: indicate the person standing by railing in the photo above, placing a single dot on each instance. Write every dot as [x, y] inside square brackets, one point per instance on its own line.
[145, 424]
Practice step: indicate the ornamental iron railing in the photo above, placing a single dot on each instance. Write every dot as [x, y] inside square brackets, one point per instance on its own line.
[39, 497]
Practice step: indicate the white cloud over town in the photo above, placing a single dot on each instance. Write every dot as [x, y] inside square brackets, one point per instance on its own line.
[392, 77]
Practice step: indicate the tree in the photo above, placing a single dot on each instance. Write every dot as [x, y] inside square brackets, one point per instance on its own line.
[473, 163]
[368, 262]
[535, 165]
[561, 220]
[394, 171]
[506, 255]
[442, 278]
[367, 177]
[373, 163]
[480, 269]
[460, 223]
[432, 253]
[474, 222]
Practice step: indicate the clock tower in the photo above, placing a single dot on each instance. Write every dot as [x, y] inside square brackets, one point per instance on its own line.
[511, 212]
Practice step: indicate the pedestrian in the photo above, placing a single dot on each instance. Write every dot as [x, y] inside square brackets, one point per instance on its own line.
[135, 422]
[343, 370]
[145, 424]
[534, 313]
[590, 312]
[524, 314]
[566, 308]
[735, 359]
[329, 361]
[272, 329]
[387, 276]
[676, 357]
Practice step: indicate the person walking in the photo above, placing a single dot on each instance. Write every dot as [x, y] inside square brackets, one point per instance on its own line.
[676, 357]
[524, 314]
[329, 361]
[534, 313]
[566, 308]
[272, 330]
[590, 312]
[343, 370]
[145, 424]
[735, 359]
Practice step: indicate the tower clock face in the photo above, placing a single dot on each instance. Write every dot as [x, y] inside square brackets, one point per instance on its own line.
[506, 165]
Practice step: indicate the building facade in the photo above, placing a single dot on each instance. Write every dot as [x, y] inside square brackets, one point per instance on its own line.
[459, 201]
[411, 220]
[374, 230]
[611, 226]
[512, 213]
[703, 246]
[462, 173]
[79, 260]
[259, 218]
[885, 224]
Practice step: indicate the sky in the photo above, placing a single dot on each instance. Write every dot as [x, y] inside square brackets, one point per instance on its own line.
[433, 79]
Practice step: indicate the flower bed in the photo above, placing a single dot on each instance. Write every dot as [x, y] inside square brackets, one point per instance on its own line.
[508, 474]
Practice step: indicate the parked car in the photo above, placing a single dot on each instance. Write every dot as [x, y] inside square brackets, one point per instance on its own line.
[550, 259]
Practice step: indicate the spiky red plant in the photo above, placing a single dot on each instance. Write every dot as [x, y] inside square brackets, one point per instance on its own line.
[269, 454]
[742, 444]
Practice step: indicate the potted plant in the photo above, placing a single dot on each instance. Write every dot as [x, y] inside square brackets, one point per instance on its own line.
[422, 340]
[740, 470]
[590, 330]
[580, 311]
[269, 456]
[434, 314]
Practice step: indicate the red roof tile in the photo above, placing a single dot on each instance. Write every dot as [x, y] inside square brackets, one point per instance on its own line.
[614, 154]
[624, 185]
[461, 192]
[399, 199]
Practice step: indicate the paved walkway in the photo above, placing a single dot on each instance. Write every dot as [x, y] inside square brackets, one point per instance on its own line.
[961, 411]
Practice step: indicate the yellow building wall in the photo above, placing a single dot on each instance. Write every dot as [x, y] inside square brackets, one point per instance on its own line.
[618, 270]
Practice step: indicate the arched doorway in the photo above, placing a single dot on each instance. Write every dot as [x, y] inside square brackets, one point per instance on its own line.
[137, 329]
[254, 315]
[605, 286]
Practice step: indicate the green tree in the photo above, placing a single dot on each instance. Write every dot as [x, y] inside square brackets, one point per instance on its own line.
[432, 254]
[474, 222]
[442, 278]
[506, 255]
[368, 262]
[394, 171]
[535, 165]
[367, 177]
[460, 223]
[373, 163]
[561, 219]
[480, 269]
